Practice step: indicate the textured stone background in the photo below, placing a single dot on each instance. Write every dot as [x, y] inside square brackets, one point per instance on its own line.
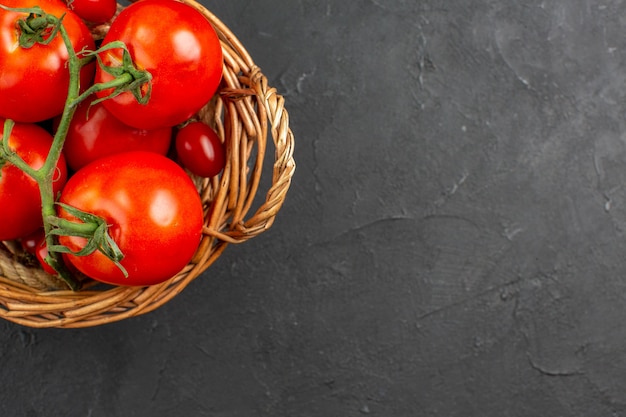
[453, 244]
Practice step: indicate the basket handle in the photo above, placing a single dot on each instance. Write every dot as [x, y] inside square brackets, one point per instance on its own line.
[284, 164]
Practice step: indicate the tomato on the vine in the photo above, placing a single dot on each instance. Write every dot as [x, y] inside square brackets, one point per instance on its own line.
[200, 149]
[93, 11]
[178, 46]
[20, 199]
[34, 81]
[94, 133]
[153, 210]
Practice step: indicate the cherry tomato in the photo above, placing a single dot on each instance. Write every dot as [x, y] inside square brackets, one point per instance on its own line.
[94, 133]
[153, 210]
[200, 149]
[20, 200]
[179, 47]
[93, 11]
[34, 81]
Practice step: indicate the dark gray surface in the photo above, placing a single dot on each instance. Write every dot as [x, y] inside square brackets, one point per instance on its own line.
[453, 244]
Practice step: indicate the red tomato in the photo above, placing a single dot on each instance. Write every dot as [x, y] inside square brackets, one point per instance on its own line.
[179, 47]
[94, 133]
[20, 200]
[93, 11]
[200, 149]
[41, 252]
[34, 81]
[154, 212]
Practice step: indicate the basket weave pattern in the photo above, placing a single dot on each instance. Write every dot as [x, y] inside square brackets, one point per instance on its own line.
[245, 112]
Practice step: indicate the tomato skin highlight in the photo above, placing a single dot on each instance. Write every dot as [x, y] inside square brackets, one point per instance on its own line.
[20, 199]
[31, 242]
[34, 81]
[93, 11]
[154, 212]
[95, 133]
[200, 149]
[182, 51]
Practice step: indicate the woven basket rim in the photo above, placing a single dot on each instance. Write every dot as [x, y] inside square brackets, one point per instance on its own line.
[245, 112]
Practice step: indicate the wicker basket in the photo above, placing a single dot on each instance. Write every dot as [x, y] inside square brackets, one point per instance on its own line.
[245, 112]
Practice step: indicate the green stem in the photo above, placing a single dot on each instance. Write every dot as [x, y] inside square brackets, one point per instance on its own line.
[44, 176]
[75, 228]
[47, 171]
[121, 81]
[8, 155]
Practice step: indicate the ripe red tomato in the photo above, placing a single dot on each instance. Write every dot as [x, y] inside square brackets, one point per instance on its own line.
[93, 11]
[20, 200]
[41, 252]
[94, 133]
[179, 47]
[200, 149]
[34, 81]
[154, 212]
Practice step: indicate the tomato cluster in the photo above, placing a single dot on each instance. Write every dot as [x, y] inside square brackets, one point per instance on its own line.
[100, 136]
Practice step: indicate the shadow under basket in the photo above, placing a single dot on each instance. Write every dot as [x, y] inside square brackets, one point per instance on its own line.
[246, 112]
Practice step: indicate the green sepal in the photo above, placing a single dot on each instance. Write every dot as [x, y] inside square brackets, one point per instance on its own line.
[38, 27]
[127, 77]
[93, 228]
